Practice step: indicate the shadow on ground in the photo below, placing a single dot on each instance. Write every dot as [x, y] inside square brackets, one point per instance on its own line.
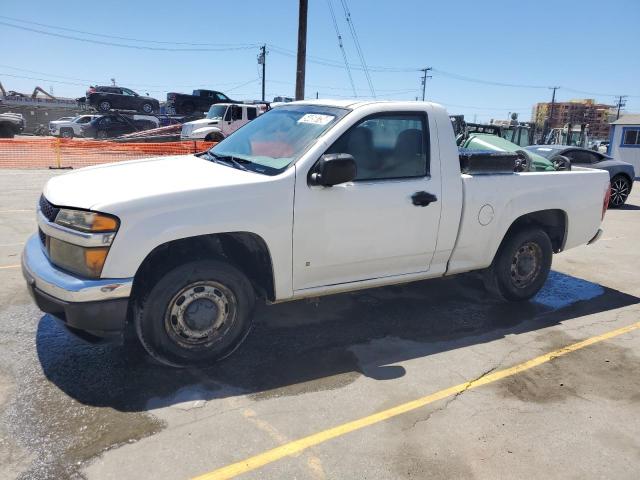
[300, 346]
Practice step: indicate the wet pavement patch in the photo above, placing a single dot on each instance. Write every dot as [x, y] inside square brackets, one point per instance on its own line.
[612, 374]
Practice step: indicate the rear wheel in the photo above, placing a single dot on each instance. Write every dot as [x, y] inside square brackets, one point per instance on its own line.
[147, 107]
[101, 134]
[196, 314]
[620, 189]
[521, 265]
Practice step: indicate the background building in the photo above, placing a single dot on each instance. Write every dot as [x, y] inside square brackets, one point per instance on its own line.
[624, 141]
[597, 115]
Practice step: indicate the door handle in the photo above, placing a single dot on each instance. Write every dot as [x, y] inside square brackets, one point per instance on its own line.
[422, 198]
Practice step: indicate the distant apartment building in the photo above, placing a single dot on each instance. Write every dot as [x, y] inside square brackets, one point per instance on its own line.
[597, 115]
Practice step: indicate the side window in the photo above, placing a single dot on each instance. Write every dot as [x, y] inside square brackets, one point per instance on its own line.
[83, 120]
[251, 113]
[221, 97]
[388, 146]
[236, 112]
[581, 156]
[631, 137]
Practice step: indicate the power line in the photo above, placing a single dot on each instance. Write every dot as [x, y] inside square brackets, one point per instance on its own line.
[344, 54]
[356, 41]
[84, 32]
[135, 47]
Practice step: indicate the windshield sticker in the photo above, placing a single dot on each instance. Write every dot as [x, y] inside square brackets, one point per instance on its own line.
[316, 118]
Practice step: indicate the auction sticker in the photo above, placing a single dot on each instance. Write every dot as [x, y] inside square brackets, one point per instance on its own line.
[316, 118]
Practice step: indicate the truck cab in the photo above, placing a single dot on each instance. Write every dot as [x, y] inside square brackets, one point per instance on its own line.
[221, 120]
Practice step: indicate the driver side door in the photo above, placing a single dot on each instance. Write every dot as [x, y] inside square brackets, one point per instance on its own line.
[371, 227]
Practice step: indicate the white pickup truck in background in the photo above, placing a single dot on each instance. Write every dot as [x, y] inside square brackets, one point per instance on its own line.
[221, 120]
[311, 198]
[70, 127]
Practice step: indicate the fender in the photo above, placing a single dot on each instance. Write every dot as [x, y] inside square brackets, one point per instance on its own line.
[202, 132]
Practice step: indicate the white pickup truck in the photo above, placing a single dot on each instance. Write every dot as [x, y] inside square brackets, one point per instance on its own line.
[221, 120]
[311, 198]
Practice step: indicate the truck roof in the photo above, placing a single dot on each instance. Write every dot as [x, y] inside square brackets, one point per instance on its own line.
[354, 103]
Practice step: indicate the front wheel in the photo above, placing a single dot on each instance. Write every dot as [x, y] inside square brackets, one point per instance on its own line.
[521, 265]
[196, 314]
[104, 106]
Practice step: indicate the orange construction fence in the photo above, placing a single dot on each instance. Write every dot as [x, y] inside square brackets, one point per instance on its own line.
[51, 152]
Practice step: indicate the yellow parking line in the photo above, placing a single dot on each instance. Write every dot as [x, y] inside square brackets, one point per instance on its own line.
[304, 443]
[9, 266]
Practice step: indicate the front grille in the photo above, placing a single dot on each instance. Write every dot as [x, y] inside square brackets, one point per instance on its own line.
[48, 210]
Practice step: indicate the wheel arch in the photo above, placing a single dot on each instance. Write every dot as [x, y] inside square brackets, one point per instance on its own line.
[554, 222]
[246, 251]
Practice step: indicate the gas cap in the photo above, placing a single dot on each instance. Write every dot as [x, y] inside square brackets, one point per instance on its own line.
[485, 215]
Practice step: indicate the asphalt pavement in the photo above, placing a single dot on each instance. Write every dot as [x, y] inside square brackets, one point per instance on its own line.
[429, 380]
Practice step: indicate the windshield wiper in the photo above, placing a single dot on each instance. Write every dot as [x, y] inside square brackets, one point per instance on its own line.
[230, 159]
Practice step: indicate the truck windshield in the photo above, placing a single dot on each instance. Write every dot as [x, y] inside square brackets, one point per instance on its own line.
[216, 112]
[274, 140]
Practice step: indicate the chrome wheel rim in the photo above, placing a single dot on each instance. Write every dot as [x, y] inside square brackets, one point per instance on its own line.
[104, 106]
[619, 191]
[526, 264]
[147, 108]
[200, 314]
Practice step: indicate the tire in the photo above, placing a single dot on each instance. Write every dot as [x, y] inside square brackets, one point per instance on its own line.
[66, 133]
[104, 105]
[147, 108]
[523, 164]
[214, 137]
[170, 323]
[620, 189]
[561, 163]
[521, 265]
[101, 134]
[6, 132]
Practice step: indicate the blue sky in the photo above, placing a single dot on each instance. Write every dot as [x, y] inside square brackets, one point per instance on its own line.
[588, 46]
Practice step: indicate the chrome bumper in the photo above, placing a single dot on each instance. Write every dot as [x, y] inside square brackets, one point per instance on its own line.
[41, 274]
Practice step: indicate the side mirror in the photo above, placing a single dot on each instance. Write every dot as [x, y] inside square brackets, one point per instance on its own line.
[333, 169]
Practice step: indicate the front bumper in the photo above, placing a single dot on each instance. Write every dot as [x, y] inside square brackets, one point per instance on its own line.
[89, 308]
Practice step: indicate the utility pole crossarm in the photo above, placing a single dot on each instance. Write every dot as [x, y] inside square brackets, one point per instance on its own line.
[424, 79]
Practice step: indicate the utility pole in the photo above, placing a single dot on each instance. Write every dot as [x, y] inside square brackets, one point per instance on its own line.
[621, 103]
[262, 60]
[553, 107]
[424, 79]
[302, 49]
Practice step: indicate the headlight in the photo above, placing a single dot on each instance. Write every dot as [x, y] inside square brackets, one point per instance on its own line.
[84, 261]
[86, 221]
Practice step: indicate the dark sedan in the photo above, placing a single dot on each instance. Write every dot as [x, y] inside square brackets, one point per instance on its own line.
[621, 173]
[104, 99]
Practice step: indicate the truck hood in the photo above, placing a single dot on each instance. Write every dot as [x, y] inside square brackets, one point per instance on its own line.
[111, 187]
[203, 122]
